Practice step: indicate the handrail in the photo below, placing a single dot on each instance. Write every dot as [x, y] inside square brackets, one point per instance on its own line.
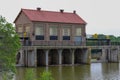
[52, 43]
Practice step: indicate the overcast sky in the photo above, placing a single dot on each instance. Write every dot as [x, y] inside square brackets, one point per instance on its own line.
[102, 16]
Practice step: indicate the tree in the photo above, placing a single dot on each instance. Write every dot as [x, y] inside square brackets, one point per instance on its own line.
[112, 38]
[9, 46]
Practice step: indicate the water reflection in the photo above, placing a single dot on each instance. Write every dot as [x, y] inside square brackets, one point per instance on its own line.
[95, 71]
[105, 71]
[111, 71]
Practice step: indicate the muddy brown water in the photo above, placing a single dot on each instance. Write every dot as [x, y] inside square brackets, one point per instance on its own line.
[95, 71]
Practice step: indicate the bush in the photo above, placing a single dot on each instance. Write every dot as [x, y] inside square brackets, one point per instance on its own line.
[46, 75]
[29, 74]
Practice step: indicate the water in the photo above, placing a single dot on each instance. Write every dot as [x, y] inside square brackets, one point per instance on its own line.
[95, 71]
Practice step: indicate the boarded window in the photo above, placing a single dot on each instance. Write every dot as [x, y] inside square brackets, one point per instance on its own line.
[78, 32]
[20, 29]
[27, 29]
[53, 31]
[39, 30]
[66, 31]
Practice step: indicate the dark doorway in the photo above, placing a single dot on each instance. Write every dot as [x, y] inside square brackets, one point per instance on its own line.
[66, 57]
[40, 57]
[53, 57]
[78, 56]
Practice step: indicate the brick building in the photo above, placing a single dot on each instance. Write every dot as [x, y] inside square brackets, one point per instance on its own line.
[39, 28]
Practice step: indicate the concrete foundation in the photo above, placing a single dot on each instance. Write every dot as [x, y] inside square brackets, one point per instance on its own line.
[114, 55]
[33, 57]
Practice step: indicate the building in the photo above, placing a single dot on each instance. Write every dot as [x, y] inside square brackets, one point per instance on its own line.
[50, 32]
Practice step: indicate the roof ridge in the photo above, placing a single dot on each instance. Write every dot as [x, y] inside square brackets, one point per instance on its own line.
[48, 11]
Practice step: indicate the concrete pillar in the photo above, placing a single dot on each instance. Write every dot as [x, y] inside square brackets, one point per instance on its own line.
[103, 57]
[46, 57]
[73, 56]
[31, 58]
[21, 60]
[86, 55]
[114, 54]
[118, 54]
[60, 56]
[109, 54]
[89, 56]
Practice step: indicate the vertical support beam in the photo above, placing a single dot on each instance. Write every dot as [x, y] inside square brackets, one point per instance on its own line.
[60, 56]
[89, 56]
[109, 55]
[46, 57]
[118, 54]
[103, 58]
[114, 54]
[35, 55]
[86, 56]
[21, 60]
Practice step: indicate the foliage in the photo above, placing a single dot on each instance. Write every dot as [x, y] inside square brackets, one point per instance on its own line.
[46, 75]
[29, 74]
[103, 36]
[9, 46]
[96, 39]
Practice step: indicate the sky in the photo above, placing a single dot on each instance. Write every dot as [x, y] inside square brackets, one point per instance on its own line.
[102, 16]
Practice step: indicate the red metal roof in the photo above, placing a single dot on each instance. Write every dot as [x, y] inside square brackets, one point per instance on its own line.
[52, 16]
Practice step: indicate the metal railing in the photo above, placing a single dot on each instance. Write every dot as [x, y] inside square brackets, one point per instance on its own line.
[97, 43]
[52, 43]
[67, 43]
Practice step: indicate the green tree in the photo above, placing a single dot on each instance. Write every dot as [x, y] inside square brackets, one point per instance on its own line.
[9, 46]
[101, 36]
[112, 38]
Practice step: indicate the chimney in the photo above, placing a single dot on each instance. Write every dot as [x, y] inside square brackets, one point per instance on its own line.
[74, 11]
[61, 10]
[38, 8]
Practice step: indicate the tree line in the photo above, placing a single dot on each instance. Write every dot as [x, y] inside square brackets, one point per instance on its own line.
[103, 36]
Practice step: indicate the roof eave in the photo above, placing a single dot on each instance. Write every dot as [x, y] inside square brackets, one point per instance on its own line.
[59, 22]
[17, 16]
